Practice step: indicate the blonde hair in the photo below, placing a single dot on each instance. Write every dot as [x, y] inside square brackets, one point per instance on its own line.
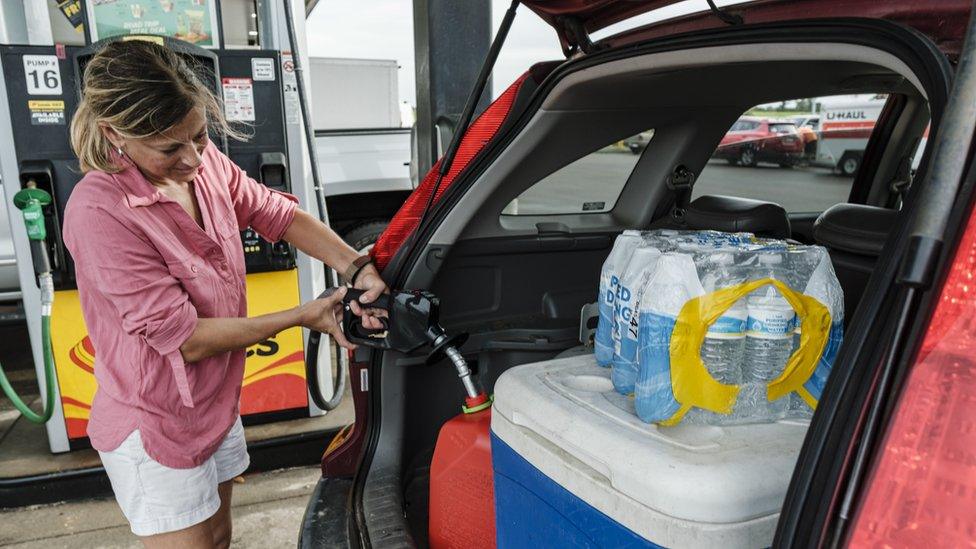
[140, 89]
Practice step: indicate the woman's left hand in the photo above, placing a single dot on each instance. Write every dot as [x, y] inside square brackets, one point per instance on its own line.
[372, 284]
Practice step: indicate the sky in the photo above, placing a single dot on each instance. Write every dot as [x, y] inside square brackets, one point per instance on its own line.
[383, 29]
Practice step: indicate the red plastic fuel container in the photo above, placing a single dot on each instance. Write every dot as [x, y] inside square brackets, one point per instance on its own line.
[462, 494]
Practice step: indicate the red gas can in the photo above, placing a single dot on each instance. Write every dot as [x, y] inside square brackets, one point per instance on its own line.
[462, 495]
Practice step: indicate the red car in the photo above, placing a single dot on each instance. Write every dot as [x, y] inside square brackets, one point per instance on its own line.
[753, 140]
[887, 459]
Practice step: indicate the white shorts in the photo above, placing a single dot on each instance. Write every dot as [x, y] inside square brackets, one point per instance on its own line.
[156, 499]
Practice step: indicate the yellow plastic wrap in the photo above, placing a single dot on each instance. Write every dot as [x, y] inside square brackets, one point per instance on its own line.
[691, 383]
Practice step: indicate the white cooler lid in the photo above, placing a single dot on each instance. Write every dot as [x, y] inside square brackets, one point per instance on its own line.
[677, 486]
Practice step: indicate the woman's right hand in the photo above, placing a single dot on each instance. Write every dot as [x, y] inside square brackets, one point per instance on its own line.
[325, 315]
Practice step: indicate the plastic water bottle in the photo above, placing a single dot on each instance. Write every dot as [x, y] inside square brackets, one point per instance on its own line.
[769, 343]
[674, 282]
[665, 240]
[811, 264]
[613, 267]
[633, 283]
[724, 345]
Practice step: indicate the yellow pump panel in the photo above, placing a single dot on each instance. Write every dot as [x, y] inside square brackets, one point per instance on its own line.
[274, 370]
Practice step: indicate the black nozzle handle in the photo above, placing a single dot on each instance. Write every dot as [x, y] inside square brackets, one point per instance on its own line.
[382, 302]
[42, 261]
[352, 325]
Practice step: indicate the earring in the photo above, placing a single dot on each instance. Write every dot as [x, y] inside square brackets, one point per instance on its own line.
[119, 149]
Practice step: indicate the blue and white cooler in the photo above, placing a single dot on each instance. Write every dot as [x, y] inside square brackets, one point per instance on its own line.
[575, 467]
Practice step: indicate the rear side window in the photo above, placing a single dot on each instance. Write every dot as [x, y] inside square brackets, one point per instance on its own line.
[805, 168]
[590, 184]
[744, 126]
[782, 129]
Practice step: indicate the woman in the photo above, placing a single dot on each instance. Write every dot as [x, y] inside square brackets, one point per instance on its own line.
[153, 228]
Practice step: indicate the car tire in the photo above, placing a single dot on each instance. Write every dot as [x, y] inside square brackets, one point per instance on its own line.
[849, 164]
[362, 237]
[634, 148]
[747, 157]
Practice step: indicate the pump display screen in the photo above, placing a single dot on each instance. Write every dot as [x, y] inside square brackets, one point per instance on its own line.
[193, 21]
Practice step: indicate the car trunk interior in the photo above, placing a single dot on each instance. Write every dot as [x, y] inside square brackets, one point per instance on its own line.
[517, 283]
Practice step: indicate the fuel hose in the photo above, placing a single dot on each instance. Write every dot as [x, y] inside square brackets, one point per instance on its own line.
[312, 375]
[47, 287]
[312, 357]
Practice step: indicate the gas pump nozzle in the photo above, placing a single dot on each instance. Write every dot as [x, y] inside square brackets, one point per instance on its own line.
[31, 202]
[412, 321]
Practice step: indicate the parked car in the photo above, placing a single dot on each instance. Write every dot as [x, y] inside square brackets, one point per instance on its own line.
[753, 140]
[884, 459]
[637, 143]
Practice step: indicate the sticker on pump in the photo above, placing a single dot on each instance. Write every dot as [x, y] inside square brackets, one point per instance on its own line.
[46, 113]
[290, 85]
[238, 99]
[43, 74]
[262, 68]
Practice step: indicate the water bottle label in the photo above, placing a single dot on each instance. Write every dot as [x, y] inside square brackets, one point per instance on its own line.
[770, 323]
[603, 340]
[625, 353]
[818, 380]
[622, 308]
[654, 397]
[611, 289]
[728, 327]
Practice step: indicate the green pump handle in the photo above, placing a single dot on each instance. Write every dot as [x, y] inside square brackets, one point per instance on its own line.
[30, 202]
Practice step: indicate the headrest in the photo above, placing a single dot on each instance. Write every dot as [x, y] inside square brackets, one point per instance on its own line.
[733, 214]
[854, 228]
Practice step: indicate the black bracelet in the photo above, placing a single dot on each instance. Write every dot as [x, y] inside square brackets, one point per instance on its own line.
[355, 275]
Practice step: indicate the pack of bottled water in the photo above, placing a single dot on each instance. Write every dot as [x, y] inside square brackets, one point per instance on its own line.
[650, 276]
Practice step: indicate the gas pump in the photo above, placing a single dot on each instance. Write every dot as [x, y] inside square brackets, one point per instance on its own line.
[39, 91]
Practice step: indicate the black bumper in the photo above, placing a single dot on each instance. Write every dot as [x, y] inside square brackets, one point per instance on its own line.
[326, 520]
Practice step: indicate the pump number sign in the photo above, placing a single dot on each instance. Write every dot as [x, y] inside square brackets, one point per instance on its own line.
[43, 74]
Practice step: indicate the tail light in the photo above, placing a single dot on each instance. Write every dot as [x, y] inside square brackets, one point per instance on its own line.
[922, 491]
[408, 216]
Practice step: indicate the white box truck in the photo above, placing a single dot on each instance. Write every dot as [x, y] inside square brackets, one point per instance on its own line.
[363, 150]
[846, 122]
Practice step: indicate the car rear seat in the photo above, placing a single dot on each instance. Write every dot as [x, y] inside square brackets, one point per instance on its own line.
[731, 214]
[854, 234]
[722, 213]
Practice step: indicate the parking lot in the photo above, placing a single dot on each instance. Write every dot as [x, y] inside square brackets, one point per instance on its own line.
[599, 178]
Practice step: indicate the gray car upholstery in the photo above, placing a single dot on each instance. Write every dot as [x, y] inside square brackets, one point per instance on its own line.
[854, 234]
[732, 214]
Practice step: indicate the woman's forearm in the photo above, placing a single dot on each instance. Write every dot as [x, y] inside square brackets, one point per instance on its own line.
[319, 241]
[218, 335]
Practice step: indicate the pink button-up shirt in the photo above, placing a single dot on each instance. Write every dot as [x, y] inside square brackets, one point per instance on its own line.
[146, 271]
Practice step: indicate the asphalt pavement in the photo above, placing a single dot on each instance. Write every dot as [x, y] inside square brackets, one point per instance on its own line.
[267, 509]
[599, 178]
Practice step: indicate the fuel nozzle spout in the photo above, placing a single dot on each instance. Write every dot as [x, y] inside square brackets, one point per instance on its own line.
[475, 398]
